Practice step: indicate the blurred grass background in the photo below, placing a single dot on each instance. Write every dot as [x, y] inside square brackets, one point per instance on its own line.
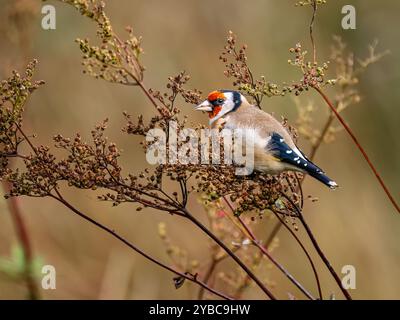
[355, 225]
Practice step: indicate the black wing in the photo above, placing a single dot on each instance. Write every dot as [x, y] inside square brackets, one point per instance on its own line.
[279, 148]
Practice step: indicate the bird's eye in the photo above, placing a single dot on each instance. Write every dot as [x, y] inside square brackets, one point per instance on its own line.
[220, 101]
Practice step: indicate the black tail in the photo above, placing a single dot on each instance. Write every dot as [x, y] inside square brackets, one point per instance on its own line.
[318, 174]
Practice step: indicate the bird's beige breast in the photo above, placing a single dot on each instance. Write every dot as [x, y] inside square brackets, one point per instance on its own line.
[219, 124]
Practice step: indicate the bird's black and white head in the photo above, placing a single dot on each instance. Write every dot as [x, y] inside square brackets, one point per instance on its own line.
[221, 102]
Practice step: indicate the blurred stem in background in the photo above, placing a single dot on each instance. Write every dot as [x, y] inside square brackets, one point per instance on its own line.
[24, 239]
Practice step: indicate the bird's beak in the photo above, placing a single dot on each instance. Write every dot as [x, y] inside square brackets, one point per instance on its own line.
[204, 106]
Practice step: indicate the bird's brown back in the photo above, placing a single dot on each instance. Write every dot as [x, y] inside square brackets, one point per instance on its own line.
[249, 116]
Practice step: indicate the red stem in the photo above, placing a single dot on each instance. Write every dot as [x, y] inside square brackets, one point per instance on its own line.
[268, 255]
[23, 237]
[353, 137]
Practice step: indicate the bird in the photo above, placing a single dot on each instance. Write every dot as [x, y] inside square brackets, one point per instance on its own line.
[274, 148]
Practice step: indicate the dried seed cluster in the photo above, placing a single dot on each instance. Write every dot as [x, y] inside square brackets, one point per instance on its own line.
[236, 65]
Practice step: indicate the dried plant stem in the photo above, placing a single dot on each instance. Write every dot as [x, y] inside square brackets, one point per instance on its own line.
[207, 277]
[213, 265]
[355, 140]
[304, 250]
[317, 247]
[321, 138]
[276, 263]
[323, 257]
[262, 286]
[190, 277]
[24, 239]
[59, 197]
[314, 7]
[265, 252]
[273, 234]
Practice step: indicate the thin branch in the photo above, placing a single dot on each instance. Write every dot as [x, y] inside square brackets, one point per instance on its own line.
[24, 239]
[300, 188]
[321, 137]
[304, 250]
[314, 7]
[207, 277]
[355, 140]
[317, 247]
[172, 205]
[262, 286]
[192, 278]
[13, 155]
[256, 242]
[273, 234]
[126, 242]
[26, 138]
[216, 259]
[276, 263]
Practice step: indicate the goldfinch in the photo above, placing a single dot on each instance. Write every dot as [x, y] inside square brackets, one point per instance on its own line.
[274, 149]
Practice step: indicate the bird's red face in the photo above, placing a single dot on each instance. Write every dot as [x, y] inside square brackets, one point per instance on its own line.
[214, 104]
[217, 99]
[219, 103]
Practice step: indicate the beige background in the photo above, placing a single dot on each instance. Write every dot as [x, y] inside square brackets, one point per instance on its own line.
[355, 225]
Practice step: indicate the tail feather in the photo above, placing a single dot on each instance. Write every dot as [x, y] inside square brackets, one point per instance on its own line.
[318, 174]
